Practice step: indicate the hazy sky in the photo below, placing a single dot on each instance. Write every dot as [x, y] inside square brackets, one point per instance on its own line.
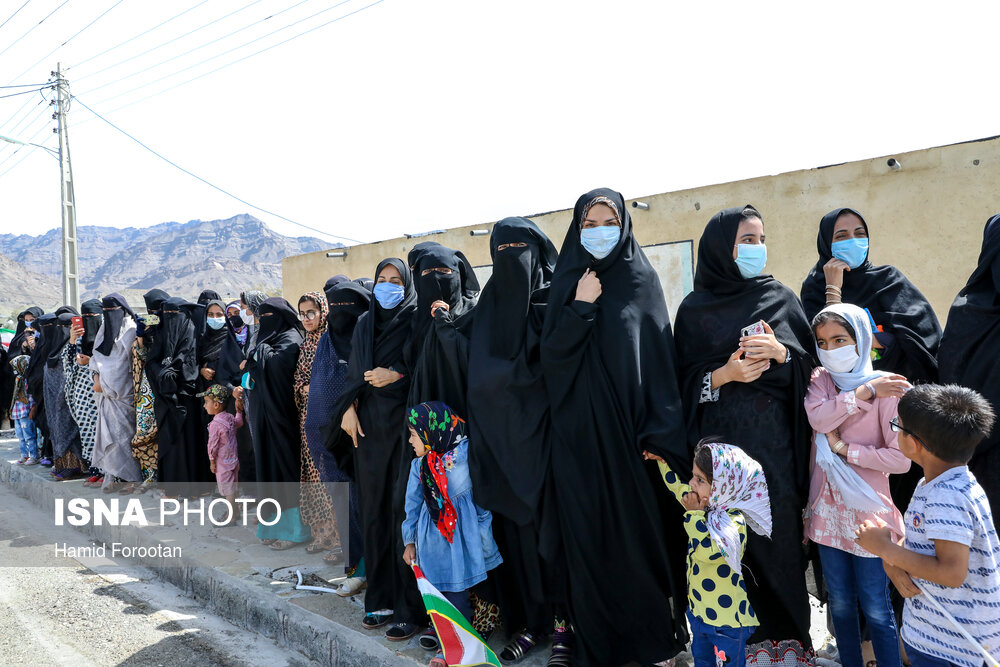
[413, 115]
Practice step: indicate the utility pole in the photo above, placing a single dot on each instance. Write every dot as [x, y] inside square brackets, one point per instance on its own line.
[71, 283]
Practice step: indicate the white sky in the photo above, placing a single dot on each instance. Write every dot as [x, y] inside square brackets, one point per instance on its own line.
[414, 115]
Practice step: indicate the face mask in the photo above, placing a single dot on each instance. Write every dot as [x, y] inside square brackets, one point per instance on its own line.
[389, 295]
[246, 317]
[236, 321]
[841, 360]
[600, 241]
[216, 322]
[851, 251]
[751, 259]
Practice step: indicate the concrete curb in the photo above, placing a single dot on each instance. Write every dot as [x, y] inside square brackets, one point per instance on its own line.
[245, 598]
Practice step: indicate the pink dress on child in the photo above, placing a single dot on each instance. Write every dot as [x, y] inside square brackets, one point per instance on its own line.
[222, 449]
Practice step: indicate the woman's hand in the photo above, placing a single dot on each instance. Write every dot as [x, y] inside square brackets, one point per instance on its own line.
[30, 342]
[764, 346]
[833, 438]
[890, 385]
[380, 377]
[739, 370]
[243, 363]
[410, 554]
[351, 425]
[693, 502]
[238, 393]
[588, 288]
[207, 373]
[443, 305]
[97, 384]
[834, 272]
[82, 360]
[75, 332]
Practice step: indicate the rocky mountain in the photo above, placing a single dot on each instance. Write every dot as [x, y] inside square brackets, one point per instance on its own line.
[228, 256]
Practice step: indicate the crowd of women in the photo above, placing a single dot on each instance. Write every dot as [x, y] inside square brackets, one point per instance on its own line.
[566, 370]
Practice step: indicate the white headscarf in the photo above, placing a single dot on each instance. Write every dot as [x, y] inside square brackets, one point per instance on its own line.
[863, 370]
[738, 483]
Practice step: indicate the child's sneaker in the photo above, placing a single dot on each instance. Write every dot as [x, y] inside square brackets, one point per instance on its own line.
[20, 461]
[31, 461]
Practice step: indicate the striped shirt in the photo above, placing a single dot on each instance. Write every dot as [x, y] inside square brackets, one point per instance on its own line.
[953, 507]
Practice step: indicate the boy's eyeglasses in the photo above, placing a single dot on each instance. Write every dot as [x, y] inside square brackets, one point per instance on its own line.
[308, 315]
[897, 427]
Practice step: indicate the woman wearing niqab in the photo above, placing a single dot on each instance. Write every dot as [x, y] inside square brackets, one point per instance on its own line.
[970, 353]
[509, 417]
[79, 380]
[764, 415]
[608, 362]
[67, 447]
[274, 421]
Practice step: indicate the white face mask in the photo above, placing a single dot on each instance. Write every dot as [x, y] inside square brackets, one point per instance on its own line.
[247, 317]
[841, 360]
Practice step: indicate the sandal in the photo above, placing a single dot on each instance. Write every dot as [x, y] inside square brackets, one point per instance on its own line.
[352, 586]
[127, 489]
[373, 620]
[429, 640]
[400, 632]
[438, 661]
[334, 557]
[562, 646]
[517, 648]
[93, 480]
[282, 545]
[269, 541]
[112, 487]
[68, 473]
[316, 548]
[46, 462]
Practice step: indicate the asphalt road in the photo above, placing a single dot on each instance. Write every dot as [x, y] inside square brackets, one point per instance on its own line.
[56, 611]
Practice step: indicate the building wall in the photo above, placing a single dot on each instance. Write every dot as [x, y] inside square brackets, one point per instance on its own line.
[926, 218]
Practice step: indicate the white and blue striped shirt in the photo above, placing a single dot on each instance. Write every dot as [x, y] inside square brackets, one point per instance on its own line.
[953, 507]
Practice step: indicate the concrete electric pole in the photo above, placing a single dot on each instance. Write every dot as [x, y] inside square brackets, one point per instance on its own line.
[71, 284]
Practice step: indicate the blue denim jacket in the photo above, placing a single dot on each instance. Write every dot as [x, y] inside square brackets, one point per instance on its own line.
[472, 553]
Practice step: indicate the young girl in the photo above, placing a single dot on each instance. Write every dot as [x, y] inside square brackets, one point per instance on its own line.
[222, 448]
[727, 491]
[850, 406]
[444, 530]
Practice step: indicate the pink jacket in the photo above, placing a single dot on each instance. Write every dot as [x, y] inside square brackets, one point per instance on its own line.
[222, 447]
[871, 451]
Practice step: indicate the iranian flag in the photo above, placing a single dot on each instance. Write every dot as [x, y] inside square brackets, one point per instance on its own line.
[461, 644]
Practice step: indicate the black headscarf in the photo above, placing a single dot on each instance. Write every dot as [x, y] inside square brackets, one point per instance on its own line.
[91, 311]
[459, 289]
[347, 301]
[19, 336]
[60, 334]
[895, 304]
[113, 320]
[417, 251]
[154, 299]
[367, 283]
[508, 458]
[47, 327]
[207, 296]
[969, 350]
[610, 374]
[211, 341]
[339, 278]
[172, 365]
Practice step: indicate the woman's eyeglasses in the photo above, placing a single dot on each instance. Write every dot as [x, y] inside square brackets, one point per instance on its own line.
[897, 427]
[309, 315]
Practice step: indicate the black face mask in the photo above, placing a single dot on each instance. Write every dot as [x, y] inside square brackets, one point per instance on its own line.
[236, 322]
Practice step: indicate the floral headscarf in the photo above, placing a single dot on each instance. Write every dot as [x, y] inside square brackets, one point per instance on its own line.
[441, 430]
[20, 366]
[307, 350]
[738, 483]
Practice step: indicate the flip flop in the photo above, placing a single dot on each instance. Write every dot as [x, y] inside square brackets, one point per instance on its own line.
[282, 545]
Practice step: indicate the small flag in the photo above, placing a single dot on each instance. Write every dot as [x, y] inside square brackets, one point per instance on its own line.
[461, 644]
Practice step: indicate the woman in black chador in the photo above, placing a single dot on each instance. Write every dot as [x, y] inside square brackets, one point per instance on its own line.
[747, 388]
[608, 361]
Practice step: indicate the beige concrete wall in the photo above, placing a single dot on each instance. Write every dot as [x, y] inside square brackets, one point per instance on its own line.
[926, 218]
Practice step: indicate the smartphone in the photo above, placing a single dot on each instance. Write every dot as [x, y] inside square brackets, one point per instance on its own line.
[755, 329]
[78, 321]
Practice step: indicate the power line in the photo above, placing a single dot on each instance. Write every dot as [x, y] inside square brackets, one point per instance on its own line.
[77, 33]
[44, 112]
[11, 45]
[23, 92]
[171, 41]
[25, 85]
[212, 185]
[132, 39]
[32, 126]
[28, 144]
[16, 11]
[238, 60]
[197, 48]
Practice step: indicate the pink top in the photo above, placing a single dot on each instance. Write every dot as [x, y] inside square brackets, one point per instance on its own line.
[222, 447]
[871, 451]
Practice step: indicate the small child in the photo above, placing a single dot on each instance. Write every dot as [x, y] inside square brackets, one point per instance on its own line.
[950, 548]
[222, 446]
[444, 530]
[727, 491]
[850, 406]
[22, 410]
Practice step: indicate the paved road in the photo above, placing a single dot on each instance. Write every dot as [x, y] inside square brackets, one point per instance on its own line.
[55, 611]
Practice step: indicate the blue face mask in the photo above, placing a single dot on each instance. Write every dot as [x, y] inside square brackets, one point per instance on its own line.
[600, 241]
[751, 259]
[389, 295]
[216, 322]
[852, 252]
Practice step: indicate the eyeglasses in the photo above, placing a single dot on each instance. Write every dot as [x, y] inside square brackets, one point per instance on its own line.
[897, 427]
[308, 315]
